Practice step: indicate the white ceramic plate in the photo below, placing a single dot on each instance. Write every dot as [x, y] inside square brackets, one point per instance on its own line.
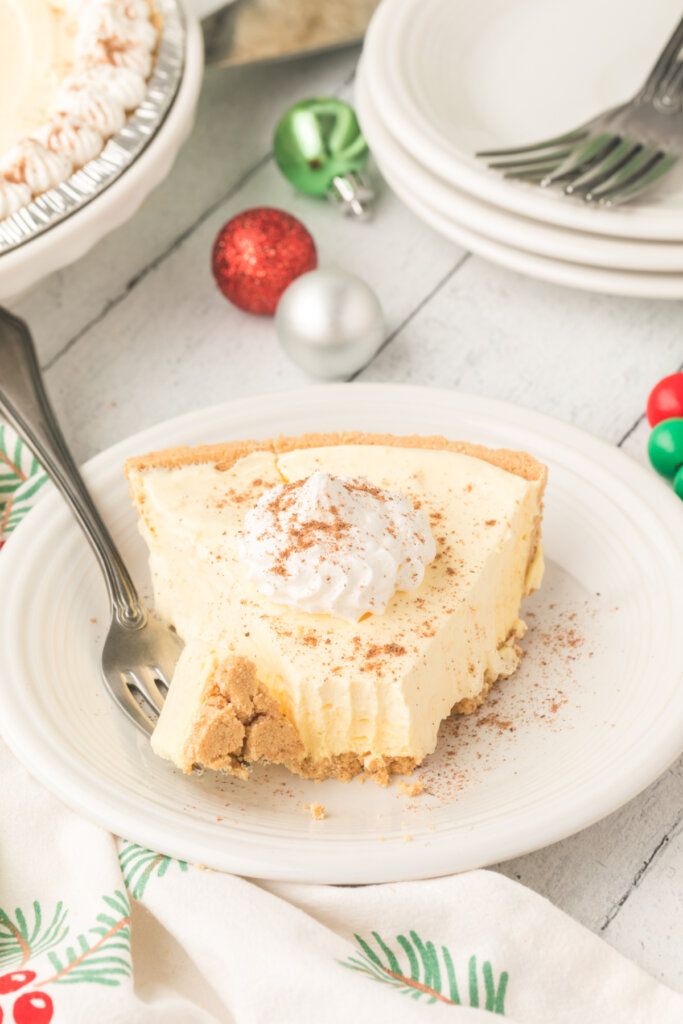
[68, 240]
[574, 275]
[451, 77]
[505, 226]
[594, 714]
[484, 230]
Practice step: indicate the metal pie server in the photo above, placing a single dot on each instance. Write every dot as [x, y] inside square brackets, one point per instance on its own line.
[249, 31]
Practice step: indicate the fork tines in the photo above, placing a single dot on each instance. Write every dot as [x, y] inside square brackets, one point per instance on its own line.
[597, 168]
[618, 154]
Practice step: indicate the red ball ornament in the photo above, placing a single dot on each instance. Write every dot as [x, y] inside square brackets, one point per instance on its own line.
[666, 400]
[259, 253]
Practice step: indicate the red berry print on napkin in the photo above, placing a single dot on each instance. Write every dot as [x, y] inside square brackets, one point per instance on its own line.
[100, 955]
[30, 1007]
[33, 1008]
[14, 981]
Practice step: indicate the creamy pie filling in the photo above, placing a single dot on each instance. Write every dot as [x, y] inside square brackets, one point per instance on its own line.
[377, 688]
[37, 51]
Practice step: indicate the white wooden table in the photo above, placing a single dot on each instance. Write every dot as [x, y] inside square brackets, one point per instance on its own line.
[126, 335]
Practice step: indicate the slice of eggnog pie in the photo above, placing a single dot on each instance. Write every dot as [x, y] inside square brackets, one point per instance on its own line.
[338, 595]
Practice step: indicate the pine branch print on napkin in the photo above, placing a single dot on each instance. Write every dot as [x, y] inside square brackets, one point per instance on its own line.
[98, 960]
[428, 972]
[21, 478]
[103, 957]
[20, 943]
[138, 865]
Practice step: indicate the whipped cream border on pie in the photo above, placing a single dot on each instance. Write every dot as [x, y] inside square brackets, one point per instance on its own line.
[321, 695]
[113, 56]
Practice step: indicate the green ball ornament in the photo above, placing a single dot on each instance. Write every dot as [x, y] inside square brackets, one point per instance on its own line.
[665, 447]
[320, 148]
[678, 483]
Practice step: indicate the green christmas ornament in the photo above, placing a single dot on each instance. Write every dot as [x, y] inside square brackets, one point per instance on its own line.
[678, 483]
[665, 447]
[320, 149]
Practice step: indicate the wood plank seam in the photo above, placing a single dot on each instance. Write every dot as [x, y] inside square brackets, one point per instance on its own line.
[642, 872]
[640, 419]
[413, 313]
[158, 260]
[631, 429]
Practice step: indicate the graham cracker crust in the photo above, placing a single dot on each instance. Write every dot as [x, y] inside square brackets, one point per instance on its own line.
[514, 657]
[241, 722]
[225, 455]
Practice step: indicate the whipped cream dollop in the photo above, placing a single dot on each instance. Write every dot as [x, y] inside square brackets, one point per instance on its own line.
[13, 195]
[335, 545]
[92, 105]
[125, 86]
[72, 137]
[33, 164]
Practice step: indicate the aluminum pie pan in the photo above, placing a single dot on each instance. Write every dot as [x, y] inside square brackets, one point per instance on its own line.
[120, 151]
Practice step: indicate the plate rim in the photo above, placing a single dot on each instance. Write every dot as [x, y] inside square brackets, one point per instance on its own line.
[647, 285]
[285, 863]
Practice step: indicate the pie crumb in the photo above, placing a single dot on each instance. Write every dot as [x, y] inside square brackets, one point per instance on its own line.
[407, 838]
[317, 811]
[411, 788]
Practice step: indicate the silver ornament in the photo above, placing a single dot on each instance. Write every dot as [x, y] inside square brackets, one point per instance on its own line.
[329, 323]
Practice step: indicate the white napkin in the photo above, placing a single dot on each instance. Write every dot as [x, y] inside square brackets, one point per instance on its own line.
[99, 930]
[95, 930]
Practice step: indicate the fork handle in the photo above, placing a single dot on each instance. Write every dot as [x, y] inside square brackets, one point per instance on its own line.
[663, 65]
[24, 403]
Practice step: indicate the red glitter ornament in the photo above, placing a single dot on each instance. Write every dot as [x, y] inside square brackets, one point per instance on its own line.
[259, 253]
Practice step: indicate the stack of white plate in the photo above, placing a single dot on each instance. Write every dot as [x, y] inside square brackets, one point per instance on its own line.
[441, 79]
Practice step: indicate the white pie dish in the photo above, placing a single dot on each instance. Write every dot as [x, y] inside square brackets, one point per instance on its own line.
[67, 240]
[611, 529]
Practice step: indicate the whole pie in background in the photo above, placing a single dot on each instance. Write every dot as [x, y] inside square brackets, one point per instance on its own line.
[75, 70]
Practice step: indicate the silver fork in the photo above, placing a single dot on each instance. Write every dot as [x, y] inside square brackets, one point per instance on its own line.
[139, 652]
[618, 154]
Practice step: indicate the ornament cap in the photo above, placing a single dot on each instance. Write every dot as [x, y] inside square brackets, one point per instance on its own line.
[353, 194]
